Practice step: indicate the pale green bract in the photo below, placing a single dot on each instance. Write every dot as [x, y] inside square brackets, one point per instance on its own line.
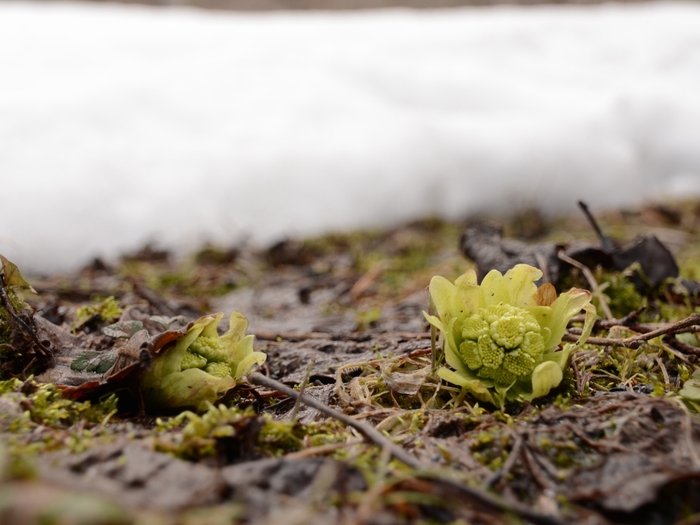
[501, 338]
[202, 366]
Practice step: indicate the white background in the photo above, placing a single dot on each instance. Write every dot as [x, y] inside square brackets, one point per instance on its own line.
[122, 124]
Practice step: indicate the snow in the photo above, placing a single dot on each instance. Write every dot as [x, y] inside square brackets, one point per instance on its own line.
[123, 124]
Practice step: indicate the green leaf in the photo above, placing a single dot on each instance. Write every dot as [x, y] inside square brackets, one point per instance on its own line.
[564, 308]
[477, 387]
[93, 361]
[443, 294]
[189, 388]
[691, 388]
[546, 376]
[122, 329]
[12, 277]
[560, 358]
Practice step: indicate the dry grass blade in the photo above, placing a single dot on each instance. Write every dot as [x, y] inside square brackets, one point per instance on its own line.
[372, 435]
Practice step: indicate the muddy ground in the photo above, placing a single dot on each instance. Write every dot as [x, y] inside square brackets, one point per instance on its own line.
[341, 317]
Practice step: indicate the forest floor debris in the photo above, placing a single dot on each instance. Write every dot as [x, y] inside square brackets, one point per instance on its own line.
[340, 320]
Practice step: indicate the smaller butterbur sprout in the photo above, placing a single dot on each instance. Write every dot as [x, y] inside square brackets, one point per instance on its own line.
[202, 366]
[500, 338]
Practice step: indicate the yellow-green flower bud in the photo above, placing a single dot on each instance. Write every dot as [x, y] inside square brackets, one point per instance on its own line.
[491, 354]
[507, 331]
[201, 366]
[218, 369]
[210, 348]
[469, 351]
[494, 312]
[519, 363]
[500, 375]
[474, 327]
[192, 360]
[533, 345]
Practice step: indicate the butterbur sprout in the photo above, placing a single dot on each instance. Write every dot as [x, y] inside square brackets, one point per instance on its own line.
[202, 366]
[500, 338]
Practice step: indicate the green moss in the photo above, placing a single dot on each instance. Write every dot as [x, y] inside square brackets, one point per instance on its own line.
[367, 318]
[43, 404]
[35, 418]
[194, 437]
[620, 294]
[107, 311]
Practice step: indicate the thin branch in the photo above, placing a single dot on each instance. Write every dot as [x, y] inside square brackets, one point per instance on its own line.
[689, 324]
[28, 331]
[682, 347]
[267, 335]
[369, 432]
[509, 463]
[676, 353]
[664, 372]
[297, 403]
[630, 321]
[374, 436]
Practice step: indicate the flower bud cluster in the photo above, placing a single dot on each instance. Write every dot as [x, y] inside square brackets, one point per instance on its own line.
[208, 354]
[502, 338]
[501, 343]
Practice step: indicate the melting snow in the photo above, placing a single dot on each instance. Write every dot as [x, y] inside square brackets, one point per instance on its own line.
[122, 124]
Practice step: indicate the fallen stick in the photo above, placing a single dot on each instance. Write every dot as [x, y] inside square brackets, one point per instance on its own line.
[689, 324]
[267, 335]
[368, 431]
[372, 435]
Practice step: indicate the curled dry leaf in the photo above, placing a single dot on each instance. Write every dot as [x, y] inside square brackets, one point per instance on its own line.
[405, 383]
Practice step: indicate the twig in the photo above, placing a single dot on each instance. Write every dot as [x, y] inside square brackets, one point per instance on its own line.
[664, 372]
[630, 321]
[152, 297]
[266, 335]
[678, 354]
[542, 263]
[689, 324]
[376, 437]
[508, 465]
[297, 403]
[591, 282]
[535, 470]
[41, 349]
[368, 431]
[681, 346]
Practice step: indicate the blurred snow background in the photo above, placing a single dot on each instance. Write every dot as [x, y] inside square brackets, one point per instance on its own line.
[123, 124]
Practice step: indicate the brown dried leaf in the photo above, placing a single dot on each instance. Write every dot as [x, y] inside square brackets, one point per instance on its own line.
[546, 294]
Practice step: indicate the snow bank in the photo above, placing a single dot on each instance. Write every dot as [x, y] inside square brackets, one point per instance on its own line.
[123, 124]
